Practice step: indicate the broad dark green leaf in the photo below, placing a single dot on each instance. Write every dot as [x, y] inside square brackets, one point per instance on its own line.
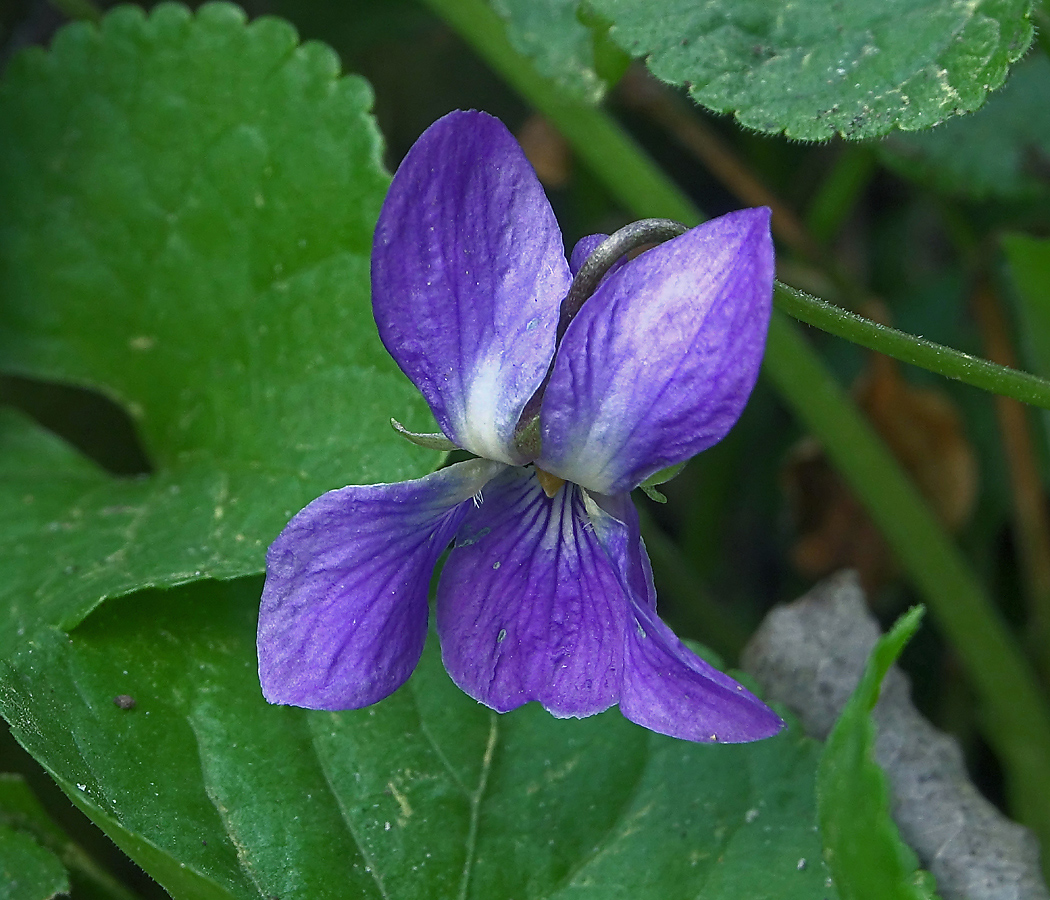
[186, 212]
[1001, 152]
[186, 206]
[863, 849]
[426, 794]
[812, 69]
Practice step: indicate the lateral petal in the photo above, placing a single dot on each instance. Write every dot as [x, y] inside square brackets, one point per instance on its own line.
[468, 272]
[344, 611]
[665, 686]
[529, 607]
[660, 361]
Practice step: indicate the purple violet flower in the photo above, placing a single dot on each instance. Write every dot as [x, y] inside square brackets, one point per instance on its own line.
[547, 594]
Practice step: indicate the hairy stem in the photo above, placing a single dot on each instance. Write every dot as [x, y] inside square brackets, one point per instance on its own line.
[918, 351]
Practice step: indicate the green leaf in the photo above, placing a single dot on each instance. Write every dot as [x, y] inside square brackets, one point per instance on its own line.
[561, 46]
[20, 809]
[27, 870]
[862, 847]
[812, 70]
[186, 215]
[427, 794]
[1001, 152]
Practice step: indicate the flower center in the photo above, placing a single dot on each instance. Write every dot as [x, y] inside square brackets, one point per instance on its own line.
[551, 484]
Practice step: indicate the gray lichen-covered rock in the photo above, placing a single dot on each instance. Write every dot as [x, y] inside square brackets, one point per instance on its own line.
[809, 655]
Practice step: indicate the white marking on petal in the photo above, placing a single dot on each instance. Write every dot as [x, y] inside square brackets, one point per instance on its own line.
[480, 429]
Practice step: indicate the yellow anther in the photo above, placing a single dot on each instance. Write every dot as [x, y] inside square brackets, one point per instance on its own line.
[551, 484]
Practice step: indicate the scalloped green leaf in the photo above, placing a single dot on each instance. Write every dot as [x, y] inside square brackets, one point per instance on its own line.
[809, 70]
[425, 795]
[812, 70]
[186, 212]
[1001, 152]
[562, 47]
[862, 846]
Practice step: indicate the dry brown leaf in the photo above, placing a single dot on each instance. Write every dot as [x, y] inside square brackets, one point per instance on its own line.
[547, 150]
[924, 432]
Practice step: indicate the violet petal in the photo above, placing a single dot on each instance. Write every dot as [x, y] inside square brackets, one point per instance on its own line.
[468, 272]
[344, 608]
[669, 689]
[660, 361]
[528, 606]
[665, 686]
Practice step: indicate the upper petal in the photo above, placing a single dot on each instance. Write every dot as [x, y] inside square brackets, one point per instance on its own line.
[665, 686]
[660, 361]
[528, 606]
[468, 271]
[343, 616]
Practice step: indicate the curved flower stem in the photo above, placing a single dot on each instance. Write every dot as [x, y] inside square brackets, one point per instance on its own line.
[636, 182]
[605, 255]
[1017, 721]
[595, 268]
[915, 350]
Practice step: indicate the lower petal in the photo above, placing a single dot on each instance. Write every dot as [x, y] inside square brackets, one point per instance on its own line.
[529, 607]
[669, 689]
[665, 686]
[344, 613]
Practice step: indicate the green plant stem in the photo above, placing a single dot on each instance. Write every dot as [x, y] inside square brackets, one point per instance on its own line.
[678, 581]
[839, 191]
[918, 351]
[1014, 713]
[636, 182]
[88, 877]
[1016, 717]
[613, 156]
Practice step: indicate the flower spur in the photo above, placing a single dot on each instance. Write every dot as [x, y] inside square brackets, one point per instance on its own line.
[547, 594]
